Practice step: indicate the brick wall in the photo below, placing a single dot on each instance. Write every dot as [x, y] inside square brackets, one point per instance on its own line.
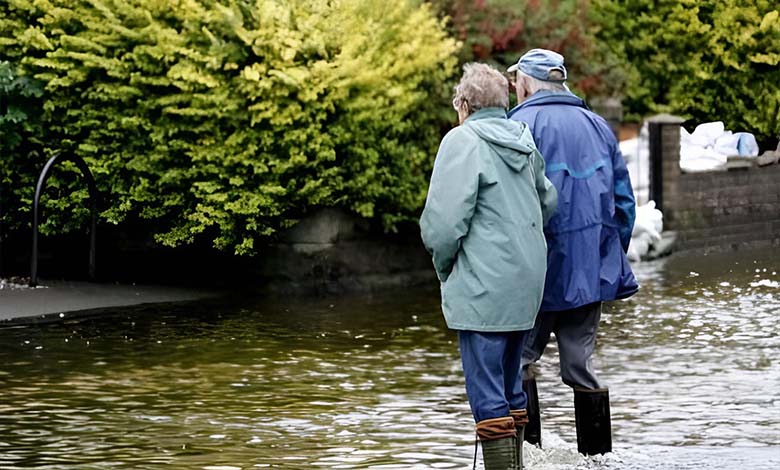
[713, 211]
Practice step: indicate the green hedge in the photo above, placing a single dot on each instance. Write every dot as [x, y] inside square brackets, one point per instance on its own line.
[230, 120]
[20, 109]
[704, 59]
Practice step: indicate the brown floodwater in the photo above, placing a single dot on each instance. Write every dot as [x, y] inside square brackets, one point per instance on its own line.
[692, 361]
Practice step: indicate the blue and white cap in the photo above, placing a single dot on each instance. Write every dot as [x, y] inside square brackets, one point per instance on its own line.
[538, 63]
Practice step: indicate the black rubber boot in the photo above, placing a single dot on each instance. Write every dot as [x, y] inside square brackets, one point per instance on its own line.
[533, 430]
[594, 426]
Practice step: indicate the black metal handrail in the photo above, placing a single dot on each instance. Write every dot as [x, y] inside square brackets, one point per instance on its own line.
[93, 196]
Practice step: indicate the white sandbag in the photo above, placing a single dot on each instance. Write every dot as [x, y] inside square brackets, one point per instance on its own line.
[697, 150]
[647, 231]
[742, 144]
[710, 145]
[727, 144]
[707, 133]
[649, 213]
[637, 249]
[636, 153]
[747, 146]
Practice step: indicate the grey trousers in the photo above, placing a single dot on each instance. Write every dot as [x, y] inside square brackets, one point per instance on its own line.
[575, 331]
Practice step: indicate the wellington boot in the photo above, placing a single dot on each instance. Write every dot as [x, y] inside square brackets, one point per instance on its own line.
[521, 420]
[533, 430]
[499, 449]
[500, 454]
[594, 426]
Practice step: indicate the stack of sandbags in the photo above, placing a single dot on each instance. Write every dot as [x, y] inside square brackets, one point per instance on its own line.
[710, 144]
[647, 231]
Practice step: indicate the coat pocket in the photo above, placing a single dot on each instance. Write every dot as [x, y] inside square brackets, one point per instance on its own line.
[463, 281]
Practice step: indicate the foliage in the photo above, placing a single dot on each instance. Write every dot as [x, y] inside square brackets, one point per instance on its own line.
[19, 124]
[230, 119]
[502, 30]
[706, 60]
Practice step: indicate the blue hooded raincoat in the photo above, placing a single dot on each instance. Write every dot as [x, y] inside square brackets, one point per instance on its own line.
[588, 235]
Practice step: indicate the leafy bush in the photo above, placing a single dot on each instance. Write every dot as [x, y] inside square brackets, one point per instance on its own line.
[19, 126]
[231, 119]
[706, 60]
[501, 30]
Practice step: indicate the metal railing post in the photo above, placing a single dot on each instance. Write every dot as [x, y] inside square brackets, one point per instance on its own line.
[92, 188]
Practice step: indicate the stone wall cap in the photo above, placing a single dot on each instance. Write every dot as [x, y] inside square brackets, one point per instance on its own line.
[666, 119]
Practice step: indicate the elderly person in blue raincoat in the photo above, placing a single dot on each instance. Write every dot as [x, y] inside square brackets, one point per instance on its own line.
[482, 223]
[587, 238]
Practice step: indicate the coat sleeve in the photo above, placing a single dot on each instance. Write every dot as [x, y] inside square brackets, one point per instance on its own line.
[625, 206]
[452, 198]
[548, 195]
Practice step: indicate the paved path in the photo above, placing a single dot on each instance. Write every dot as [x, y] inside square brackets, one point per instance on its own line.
[63, 299]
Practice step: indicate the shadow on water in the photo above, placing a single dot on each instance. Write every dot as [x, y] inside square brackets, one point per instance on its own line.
[375, 382]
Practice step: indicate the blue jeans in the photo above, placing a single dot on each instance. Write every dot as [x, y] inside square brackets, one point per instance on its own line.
[491, 365]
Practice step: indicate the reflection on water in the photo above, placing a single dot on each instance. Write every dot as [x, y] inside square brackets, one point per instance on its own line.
[692, 362]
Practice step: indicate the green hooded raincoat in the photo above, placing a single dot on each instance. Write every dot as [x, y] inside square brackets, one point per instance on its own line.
[482, 223]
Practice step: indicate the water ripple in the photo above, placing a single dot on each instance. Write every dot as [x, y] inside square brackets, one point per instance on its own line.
[375, 382]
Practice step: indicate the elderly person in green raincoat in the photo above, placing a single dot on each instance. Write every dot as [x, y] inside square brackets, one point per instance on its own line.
[482, 223]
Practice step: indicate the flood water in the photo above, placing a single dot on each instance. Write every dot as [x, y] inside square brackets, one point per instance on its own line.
[693, 365]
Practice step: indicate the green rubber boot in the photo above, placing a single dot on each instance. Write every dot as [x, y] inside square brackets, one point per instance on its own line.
[521, 420]
[499, 443]
[500, 454]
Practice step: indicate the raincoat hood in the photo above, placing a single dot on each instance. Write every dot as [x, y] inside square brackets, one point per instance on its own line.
[510, 140]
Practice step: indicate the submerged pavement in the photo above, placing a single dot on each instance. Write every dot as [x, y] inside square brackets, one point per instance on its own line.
[59, 300]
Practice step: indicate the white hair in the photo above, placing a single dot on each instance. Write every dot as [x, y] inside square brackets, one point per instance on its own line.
[481, 86]
[533, 85]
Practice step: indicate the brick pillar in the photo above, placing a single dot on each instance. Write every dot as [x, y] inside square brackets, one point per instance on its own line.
[664, 134]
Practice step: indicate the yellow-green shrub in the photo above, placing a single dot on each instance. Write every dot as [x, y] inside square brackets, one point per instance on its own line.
[231, 119]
